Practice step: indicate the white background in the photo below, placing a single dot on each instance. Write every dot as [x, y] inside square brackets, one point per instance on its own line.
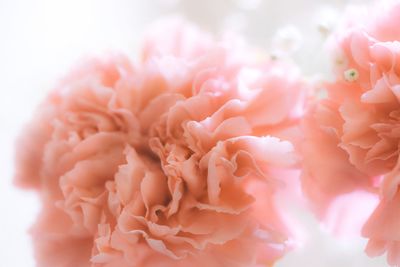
[41, 39]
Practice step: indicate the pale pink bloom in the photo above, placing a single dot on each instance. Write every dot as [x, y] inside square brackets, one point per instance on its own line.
[353, 134]
[169, 162]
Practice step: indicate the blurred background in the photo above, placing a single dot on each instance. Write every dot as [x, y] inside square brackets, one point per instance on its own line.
[41, 39]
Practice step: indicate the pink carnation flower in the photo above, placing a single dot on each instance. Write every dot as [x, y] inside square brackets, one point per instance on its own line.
[168, 162]
[352, 135]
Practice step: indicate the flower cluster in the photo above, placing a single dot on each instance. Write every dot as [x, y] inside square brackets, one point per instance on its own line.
[171, 161]
[352, 135]
[176, 159]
